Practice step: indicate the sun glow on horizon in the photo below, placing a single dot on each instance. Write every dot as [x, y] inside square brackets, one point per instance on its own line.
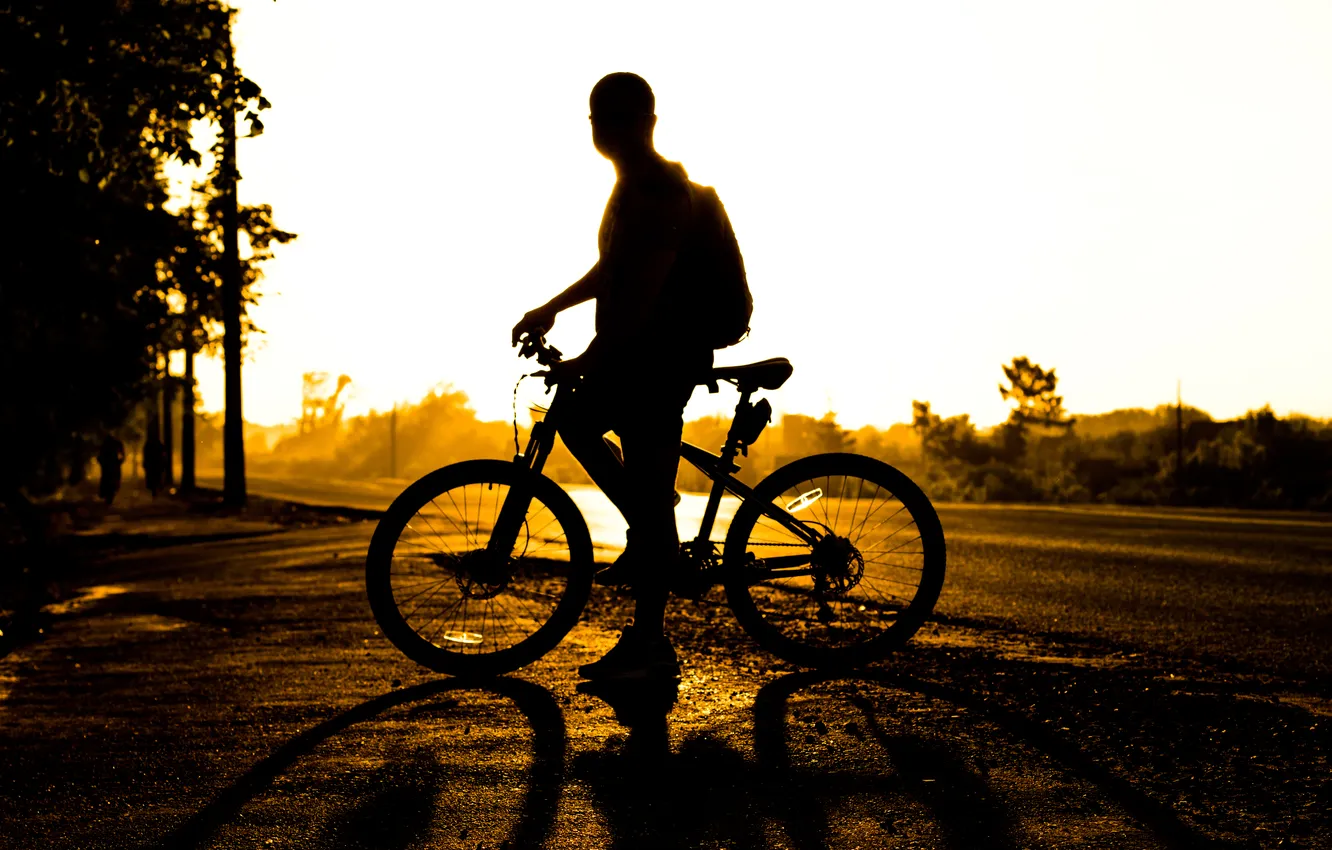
[1132, 194]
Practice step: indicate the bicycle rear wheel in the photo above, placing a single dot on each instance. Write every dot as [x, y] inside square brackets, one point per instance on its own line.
[451, 600]
[835, 559]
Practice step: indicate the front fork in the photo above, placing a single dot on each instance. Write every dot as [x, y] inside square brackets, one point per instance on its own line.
[513, 512]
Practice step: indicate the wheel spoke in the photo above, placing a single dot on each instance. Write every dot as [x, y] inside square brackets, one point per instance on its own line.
[463, 529]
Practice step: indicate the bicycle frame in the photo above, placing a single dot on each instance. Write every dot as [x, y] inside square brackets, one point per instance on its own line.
[719, 468]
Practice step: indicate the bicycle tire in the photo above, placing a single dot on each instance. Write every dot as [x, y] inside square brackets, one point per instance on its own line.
[549, 591]
[786, 615]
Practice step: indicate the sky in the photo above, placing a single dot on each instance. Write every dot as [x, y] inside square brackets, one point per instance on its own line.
[1134, 193]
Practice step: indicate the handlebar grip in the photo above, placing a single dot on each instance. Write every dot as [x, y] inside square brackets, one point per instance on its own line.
[548, 356]
[535, 346]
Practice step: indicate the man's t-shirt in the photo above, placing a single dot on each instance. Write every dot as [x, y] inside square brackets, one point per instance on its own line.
[645, 226]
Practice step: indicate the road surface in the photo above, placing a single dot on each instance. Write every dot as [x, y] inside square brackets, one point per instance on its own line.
[1094, 679]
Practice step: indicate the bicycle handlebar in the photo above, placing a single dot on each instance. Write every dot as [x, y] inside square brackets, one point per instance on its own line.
[535, 346]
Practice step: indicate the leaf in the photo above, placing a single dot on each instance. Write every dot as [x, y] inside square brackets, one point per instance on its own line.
[84, 176]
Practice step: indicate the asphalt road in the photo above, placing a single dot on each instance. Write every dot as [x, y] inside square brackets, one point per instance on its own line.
[1094, 679]
[1242, 589]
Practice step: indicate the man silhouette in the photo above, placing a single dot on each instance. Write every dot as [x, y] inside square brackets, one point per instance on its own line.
[109, 459]
[640, 368]
[154, 453]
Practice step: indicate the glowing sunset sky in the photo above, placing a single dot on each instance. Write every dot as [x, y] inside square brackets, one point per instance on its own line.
[1129, 192]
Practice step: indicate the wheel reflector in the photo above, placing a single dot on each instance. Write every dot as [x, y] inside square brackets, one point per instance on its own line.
[805, 500]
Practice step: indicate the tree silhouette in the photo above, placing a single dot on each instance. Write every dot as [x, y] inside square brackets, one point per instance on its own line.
[95, 276]
[1032, 389]
[953, 438]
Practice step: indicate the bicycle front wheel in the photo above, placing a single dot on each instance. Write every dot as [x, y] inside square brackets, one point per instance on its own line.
[457, 601]
[835, 559]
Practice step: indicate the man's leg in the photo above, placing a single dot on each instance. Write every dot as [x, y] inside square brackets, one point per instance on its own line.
[583, 425]
[652, 459]
[650, 435]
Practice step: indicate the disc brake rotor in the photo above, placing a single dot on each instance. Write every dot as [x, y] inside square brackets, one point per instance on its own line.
[838, 566]
[481, 574]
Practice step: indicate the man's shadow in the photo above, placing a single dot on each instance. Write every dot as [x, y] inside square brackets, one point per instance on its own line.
[707, 793]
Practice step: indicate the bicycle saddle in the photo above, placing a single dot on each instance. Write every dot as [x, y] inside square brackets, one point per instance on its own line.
[764, 375]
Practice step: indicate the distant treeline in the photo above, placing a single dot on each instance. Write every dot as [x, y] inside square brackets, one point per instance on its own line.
[1132, 457]
[1039, 455]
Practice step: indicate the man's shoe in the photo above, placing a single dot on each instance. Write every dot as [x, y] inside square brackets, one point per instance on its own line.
[635, 658]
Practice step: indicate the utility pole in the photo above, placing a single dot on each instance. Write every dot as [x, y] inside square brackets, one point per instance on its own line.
[393, 442]
[233, 428]
[1179, 440]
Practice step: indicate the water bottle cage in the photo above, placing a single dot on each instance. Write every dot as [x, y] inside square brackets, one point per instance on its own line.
[750, 420]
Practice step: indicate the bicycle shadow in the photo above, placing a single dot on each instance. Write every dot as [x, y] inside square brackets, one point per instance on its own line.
[958, 797]
[883, 773]
[709, 793]
[401, 811]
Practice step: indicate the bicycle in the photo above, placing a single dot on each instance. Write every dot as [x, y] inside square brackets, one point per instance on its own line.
[502, 539]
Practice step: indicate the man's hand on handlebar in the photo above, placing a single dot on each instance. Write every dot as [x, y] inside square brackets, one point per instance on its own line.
[562, 371]
[535, 323]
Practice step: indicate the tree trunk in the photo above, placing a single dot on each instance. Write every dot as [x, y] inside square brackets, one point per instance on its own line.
[187, 415]
[154, 423]
[233, 428]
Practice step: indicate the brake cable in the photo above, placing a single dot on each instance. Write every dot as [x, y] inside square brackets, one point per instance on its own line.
[521, 378]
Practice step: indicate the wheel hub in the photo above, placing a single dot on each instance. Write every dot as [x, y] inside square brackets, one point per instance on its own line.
[838, 565]
[481, 574]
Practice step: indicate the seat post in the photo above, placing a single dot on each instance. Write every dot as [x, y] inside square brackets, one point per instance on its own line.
[732, 444]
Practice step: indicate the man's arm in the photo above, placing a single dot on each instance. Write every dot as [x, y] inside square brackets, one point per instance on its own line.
[584, 289]
[540, 320]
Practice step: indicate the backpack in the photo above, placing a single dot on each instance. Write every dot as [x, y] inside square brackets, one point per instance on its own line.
[710, 292]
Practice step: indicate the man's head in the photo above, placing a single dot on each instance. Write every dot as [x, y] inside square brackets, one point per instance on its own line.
[623, 116]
